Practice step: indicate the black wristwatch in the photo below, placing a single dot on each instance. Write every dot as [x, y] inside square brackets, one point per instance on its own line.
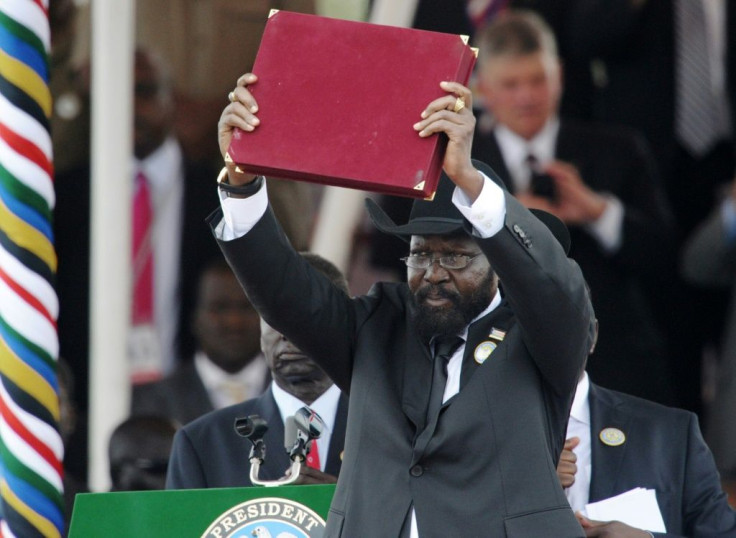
[249, 189]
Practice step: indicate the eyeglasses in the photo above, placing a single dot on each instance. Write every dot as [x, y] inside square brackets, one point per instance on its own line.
[446, 261]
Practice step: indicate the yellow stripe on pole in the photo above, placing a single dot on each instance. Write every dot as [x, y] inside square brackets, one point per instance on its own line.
[25, 78]
[28, 380]
[26, 236]
[45, 527]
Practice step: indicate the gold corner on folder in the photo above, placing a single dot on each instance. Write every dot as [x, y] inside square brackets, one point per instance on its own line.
[475, 51]
[430, 198]
[419, 186]
[273, 12]
[465, 38]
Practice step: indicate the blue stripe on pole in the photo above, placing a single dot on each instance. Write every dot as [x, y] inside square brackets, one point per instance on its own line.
[23, 52]
[27, 213]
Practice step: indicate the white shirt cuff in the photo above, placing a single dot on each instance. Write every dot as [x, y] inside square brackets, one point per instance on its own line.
[240, 215]
[488, 213]
[608, 228]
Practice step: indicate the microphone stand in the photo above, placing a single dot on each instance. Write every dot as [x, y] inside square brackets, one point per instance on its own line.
[299, 432]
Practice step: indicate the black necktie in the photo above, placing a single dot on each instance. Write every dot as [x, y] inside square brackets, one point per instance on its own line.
[443, 350]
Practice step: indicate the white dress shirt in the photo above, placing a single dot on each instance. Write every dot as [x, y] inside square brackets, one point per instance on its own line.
[326, 408]
[250, 380]
[515, 150]
[579, 425]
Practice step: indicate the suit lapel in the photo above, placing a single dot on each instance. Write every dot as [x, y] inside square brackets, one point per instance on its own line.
[605, 412]
[500, 318]
[337, 441]
[191, 393]
[416, 378]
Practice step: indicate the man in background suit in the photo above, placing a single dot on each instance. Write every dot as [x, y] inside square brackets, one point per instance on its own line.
[619, 442]
[642, 50]
[186, 196]
[178, 191]
[228, 366]
[209, 453]
[599, 180]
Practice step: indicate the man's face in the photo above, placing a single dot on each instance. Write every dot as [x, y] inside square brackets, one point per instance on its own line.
[225, 323]
[292, 370]
[153, 107]
[447, 300]
[522, 92]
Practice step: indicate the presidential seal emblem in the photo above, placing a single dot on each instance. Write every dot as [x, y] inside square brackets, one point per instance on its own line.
[483, 351]
[269, 517]
[612, 437]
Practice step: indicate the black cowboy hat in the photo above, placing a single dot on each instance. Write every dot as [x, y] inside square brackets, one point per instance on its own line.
[440, 216]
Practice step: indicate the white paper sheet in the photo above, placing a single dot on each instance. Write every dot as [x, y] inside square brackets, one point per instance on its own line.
[637, 507]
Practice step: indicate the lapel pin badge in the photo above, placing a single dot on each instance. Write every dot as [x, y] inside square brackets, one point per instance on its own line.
[612, 437]
[484, 349]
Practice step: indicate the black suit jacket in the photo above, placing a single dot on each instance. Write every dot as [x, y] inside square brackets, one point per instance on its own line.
[489, 467]
[617, 161]
[181, 395]
[664, 451]
[637, 48]
[208, 453]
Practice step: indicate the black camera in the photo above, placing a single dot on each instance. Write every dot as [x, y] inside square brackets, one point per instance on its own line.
[543, 185]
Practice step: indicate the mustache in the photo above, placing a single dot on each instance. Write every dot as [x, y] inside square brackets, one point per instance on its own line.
[436, 291]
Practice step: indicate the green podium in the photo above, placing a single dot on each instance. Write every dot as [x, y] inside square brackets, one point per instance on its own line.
[274, 512]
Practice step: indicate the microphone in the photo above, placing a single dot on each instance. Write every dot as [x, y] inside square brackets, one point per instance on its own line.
[309, 426]
[290, 433]
[253, 428]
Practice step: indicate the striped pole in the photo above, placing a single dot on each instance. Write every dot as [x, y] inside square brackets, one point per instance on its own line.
[31, 449]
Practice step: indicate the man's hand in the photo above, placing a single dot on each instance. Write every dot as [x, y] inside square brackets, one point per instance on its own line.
[566, 468]
[576, 203]
[609, 529]
[442, 116]
[240, 113]
[309, 476]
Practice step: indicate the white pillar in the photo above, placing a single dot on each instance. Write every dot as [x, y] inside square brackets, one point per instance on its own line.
[112, 118]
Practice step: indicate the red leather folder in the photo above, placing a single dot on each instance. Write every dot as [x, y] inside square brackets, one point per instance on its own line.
[338, 100]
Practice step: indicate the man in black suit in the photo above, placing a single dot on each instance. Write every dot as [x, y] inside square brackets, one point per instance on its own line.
[185, 238]
[208, 453]
[633, 443]
[600, 181]
[227, 367]
[459, 393]
[640, 50]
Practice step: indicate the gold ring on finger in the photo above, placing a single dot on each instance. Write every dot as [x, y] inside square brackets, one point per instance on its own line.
[459, 105]
[231, 97]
